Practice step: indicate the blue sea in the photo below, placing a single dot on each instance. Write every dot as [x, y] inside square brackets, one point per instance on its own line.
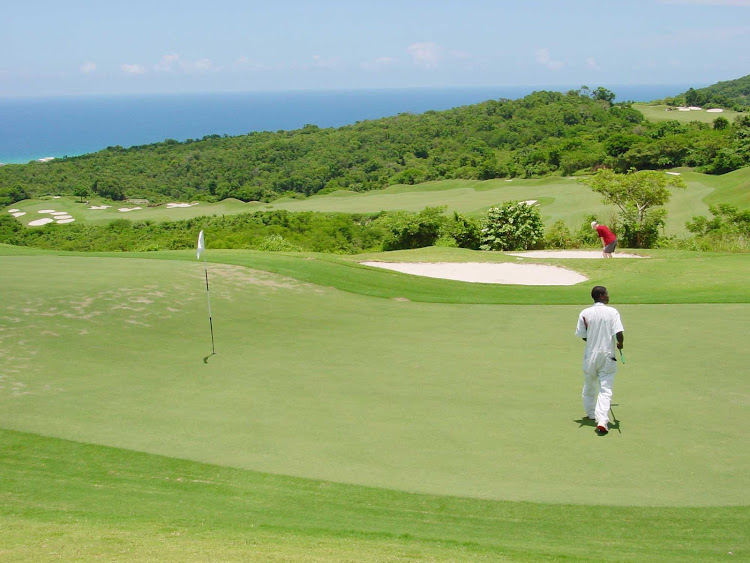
[33, 128]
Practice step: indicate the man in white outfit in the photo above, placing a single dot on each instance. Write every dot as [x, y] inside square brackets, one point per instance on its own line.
[599, 326]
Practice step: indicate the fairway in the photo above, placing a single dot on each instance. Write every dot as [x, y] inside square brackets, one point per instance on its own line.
[558, 199]
[469, 400]
[659, 112]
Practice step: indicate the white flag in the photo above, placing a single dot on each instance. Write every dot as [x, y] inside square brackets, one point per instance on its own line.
[201, 245]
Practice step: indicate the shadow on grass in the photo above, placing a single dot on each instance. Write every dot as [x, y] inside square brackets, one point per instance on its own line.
[613, 425]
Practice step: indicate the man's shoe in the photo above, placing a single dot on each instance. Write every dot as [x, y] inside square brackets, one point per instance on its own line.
[601, 430]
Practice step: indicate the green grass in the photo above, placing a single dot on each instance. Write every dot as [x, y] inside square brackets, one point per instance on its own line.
[72, 501]
[81, 212]
[559, 199]
[660, 113]
[356, 414]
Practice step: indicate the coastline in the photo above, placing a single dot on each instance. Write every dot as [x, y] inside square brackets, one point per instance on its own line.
[35, 128]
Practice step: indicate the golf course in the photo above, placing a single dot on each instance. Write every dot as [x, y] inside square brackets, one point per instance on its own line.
[354, 413]
[558, 198]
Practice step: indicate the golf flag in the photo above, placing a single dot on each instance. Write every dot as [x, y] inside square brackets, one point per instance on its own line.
[201, 245]
[201, 250]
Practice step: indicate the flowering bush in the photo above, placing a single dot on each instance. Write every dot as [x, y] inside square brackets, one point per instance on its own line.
[512, 226]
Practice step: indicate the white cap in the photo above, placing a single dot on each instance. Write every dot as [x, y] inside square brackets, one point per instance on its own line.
[594, 224]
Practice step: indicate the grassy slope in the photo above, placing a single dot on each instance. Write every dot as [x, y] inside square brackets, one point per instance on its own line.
[66, 500]
[320, 383]
[560, 199]
[62, 376]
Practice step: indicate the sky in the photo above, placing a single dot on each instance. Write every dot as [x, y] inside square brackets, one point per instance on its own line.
[96, 47]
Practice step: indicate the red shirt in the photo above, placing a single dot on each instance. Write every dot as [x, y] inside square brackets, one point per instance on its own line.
[604, 233]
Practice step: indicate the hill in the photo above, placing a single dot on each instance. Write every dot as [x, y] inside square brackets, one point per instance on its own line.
[733, 94]
[545, 133]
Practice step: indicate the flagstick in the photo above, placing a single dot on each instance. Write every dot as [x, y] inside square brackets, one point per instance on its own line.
[202, 250]
[208, 296]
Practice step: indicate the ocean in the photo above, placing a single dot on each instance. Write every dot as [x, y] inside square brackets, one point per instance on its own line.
[34, 128]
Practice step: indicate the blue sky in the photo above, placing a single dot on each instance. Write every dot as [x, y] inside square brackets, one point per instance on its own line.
[158, 46]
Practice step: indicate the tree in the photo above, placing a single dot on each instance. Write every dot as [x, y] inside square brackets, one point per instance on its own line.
[636, 194]
[603, 94]
[721, 123]
[81, 192]
[512, 226]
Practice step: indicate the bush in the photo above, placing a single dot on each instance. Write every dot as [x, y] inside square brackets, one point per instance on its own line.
[643, 233]
[512, 226]
[558, 236]
[405, 230]
[465, 231]
[277, 243]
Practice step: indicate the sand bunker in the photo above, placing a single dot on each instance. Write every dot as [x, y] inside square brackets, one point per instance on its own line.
[38, 222]
[100, 207]
[571, 254]
[173, 205]
[126, 209]
[484, 272]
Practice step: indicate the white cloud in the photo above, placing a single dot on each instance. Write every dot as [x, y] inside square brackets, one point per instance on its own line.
[132, 69]
[543, 57]
[167, 63]
[203, 65]
[592, 64]
[88, 67]
[174, 63]
[322, 62]
[425, 54]
[246, 63]
[378, 63]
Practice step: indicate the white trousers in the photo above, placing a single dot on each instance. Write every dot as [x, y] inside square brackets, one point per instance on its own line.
[599, 369]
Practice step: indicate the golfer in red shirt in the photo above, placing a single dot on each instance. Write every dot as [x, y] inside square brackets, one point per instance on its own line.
[608, 238]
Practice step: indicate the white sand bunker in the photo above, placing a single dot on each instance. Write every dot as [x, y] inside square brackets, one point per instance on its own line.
[173, 205]
[126, 209]
[571, 254]
[487, 272]
[38, 222]
[100, 207]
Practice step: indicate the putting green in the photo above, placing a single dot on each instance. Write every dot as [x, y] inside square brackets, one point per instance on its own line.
[466, 400]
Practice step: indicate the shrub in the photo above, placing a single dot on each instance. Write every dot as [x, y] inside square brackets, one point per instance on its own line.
[586, 236]
[465, 231]
[558, 236]
[512, 226]
[277, 243]
[405, 230]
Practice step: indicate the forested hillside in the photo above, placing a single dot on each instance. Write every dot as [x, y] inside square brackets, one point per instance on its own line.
[732, 94]
[541, 134]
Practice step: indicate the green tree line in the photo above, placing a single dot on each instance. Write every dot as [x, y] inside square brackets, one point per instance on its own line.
[541, 134]
[732, 94]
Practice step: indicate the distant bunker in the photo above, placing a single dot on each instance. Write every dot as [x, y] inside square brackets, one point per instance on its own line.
[500, 273]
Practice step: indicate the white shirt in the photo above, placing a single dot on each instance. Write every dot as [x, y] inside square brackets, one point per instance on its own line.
[603, 323]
